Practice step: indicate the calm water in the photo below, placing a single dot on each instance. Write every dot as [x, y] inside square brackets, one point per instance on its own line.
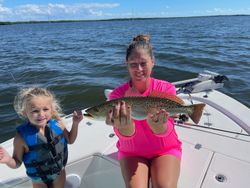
[79, 60]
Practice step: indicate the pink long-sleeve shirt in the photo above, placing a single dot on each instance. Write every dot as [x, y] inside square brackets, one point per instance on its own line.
[144, 142]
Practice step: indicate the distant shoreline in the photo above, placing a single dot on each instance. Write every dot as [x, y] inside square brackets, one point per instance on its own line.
[112, 19]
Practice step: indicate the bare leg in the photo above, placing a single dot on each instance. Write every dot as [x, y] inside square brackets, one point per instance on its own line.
[165, 171]
[39, 185]
[135, 171]
[60, 180]
[57, 183]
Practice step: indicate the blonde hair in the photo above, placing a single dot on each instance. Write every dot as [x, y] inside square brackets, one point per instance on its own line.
[25, 95]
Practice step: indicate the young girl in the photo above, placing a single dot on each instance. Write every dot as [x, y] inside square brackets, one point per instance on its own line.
[147, 148]
[41, 142]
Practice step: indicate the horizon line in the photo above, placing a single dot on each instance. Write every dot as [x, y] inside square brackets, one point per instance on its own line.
[111, 19]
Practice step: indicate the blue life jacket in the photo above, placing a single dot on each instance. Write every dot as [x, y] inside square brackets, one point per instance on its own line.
[47, 154]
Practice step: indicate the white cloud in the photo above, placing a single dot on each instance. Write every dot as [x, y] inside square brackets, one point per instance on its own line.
[222, 11]
[55, 11]
[4, 10]
[227, 11]
[30, 9]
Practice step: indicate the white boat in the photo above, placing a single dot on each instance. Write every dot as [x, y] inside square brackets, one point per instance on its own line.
[216, 153]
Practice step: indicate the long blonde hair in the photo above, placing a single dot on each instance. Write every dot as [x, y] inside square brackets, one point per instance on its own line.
[24, 96]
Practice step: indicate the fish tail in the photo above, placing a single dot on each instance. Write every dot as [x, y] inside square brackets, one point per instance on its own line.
[197, 112]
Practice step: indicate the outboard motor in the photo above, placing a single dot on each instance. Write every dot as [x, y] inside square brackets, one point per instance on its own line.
[206, 81]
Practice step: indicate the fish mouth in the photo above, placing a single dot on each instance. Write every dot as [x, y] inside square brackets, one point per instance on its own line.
[88, 115]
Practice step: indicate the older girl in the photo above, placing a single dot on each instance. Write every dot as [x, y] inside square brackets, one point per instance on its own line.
[147, 148]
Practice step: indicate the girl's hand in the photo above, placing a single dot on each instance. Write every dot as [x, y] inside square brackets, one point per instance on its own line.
[120, 117]
[77, 117]
[4, 156]
[157, 121]
[71, 135]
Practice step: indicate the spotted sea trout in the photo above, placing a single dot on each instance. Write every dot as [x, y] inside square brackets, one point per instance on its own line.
[141, 106]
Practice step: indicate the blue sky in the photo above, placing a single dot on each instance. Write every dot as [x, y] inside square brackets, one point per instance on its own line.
[27, 10]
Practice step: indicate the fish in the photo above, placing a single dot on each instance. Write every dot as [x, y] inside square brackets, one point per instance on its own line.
[142, 106]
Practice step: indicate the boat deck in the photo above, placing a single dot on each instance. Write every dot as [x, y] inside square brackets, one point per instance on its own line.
[211, 158]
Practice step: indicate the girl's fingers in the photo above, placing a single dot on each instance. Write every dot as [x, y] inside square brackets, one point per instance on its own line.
[129, 112]
[78, 112]
[123, 114]
[77, 116]
[163, 116]
[116, 111]
[156, 117]
[109, 119]
[119, 116]
[159, 117]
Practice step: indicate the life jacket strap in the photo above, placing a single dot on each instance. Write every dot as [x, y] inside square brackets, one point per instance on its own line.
[48, 145]
[44, 162]
[52, 171]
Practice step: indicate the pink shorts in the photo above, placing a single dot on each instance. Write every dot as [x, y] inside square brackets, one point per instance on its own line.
[174, 151]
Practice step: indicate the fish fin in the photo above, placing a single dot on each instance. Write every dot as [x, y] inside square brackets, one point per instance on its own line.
[197, 112]
[164, 95]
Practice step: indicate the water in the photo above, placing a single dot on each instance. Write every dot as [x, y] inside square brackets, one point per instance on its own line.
[78, 60]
